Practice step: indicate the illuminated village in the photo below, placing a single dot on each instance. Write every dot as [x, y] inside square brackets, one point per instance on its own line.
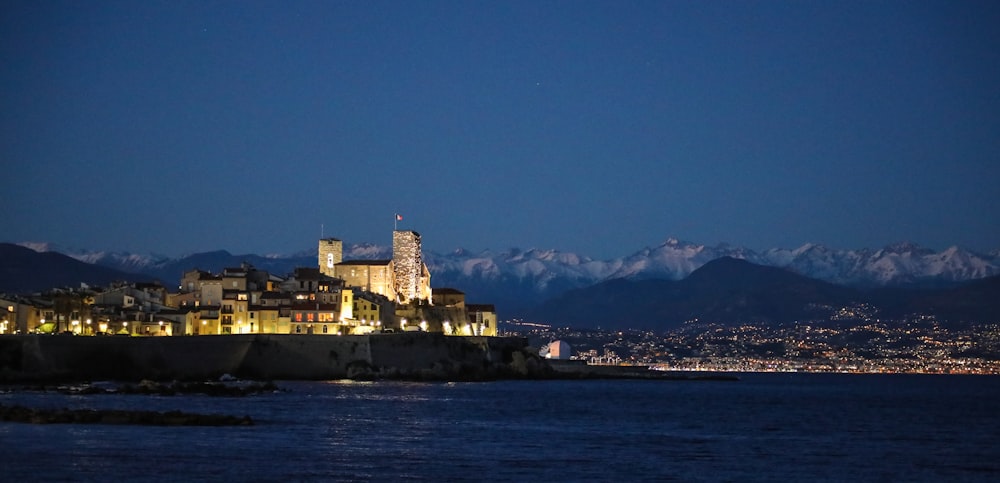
[336, 297]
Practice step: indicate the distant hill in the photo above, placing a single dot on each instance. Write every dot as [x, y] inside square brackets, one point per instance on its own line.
[725, 289]
[730, 291]
[23, 270]
[974, 301]
[171, 270]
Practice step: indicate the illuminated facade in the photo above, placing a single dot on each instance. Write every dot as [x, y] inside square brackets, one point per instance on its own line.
[375, 276]
[482, 319]
[373, 310]
[331, 252]
[314, 318]
[413, 280]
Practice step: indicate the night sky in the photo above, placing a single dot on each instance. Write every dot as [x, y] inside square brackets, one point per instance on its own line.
[592, 127]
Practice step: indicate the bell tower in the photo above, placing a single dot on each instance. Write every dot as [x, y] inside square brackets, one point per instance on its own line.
[331, 252]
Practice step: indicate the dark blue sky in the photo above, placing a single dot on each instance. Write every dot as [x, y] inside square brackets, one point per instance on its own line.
[593, 127]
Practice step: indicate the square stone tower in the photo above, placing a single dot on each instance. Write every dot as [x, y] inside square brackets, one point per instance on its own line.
[331, 252]
[408, 264]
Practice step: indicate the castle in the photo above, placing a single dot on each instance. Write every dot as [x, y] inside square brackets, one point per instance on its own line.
[404, 279]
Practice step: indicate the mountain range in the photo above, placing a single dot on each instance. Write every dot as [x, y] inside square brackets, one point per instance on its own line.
[729, 291]
[23, 270]
[518, 281]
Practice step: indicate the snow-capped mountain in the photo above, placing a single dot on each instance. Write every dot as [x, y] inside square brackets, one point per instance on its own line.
[898, 264]
[124, 261]
[518, 278]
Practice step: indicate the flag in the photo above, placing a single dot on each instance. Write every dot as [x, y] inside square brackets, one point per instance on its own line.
[399, 217]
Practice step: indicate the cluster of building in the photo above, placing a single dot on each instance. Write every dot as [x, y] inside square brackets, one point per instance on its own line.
[337, 297]
[917, 344]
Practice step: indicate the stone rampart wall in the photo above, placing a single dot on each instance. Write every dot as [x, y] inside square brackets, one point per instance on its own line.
[262, 356]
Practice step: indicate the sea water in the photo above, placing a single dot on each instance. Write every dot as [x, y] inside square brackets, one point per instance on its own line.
[764, 427]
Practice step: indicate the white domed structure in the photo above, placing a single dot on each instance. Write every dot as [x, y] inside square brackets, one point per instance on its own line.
[558, 349]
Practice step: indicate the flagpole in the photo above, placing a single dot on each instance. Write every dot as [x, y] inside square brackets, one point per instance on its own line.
[395, 219]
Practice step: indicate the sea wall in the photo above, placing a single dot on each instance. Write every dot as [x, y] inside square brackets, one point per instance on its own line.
[408, 355]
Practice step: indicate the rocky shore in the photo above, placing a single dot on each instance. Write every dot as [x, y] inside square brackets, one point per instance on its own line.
[23, 414]
[225, 388]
